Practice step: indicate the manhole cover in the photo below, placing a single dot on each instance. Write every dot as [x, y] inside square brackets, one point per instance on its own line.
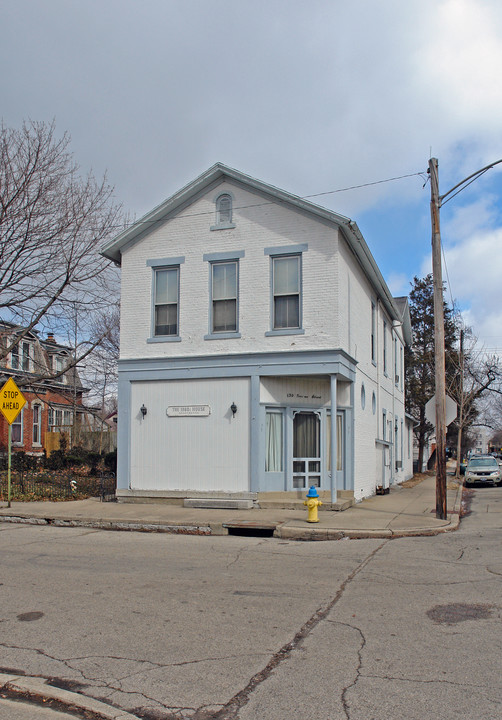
[459, 612]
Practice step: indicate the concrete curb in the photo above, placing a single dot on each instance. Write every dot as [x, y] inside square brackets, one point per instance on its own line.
[36, 689]
[111, 525]
[281, 529]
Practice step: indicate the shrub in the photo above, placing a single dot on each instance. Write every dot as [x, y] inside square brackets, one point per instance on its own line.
[111, 461]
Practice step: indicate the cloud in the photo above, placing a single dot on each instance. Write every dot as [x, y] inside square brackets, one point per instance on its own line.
[311, 97]
[474, 269]
[399, 284]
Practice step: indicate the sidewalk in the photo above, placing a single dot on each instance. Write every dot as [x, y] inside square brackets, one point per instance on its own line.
[405, 511]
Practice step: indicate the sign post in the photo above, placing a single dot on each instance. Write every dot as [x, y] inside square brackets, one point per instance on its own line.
[12, 402]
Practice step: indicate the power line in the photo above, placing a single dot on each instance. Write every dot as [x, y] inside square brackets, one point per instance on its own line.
[356, 187]
[303, 197]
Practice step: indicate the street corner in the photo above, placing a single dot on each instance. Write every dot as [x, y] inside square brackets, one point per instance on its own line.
[38, 690]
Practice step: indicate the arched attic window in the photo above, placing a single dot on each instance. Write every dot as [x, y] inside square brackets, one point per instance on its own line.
[223, 212]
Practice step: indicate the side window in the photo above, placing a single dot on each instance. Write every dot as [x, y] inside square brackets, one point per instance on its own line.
[224, 284]
[17, 429]
[37, 425]
[373, 333]
[166, 301]
[14, 358]
[20, 357]
[385, 368]
[286, 290]
[26, 357]
[58, 367]
[396, 364]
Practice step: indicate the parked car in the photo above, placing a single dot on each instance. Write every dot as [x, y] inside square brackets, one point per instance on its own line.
[481, 469]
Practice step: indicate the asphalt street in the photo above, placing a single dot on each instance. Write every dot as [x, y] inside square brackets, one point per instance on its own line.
[187, 627]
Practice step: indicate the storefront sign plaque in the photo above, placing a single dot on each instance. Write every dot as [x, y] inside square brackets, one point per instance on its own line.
[188, 411]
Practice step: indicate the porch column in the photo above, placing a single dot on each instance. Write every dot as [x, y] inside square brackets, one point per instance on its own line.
[333, 438]
[256, 457]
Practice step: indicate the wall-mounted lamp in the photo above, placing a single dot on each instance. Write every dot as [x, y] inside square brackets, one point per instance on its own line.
[233, 408]
[143, 410]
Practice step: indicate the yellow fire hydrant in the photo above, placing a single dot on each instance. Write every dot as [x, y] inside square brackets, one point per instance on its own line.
[312, 502]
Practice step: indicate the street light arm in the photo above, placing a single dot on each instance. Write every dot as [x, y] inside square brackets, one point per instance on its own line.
[471, 177]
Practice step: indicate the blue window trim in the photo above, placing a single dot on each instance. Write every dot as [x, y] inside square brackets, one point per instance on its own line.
[222, 256]
[294, 251]
[164, 264]
[214, 258]
[163, 339]
[285, 331]
[222, 336]
[286, 250]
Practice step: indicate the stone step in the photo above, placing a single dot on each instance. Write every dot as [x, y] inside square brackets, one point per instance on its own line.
[219, 503]
[342, 504]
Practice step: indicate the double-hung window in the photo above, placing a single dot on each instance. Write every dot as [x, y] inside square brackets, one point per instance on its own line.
[224, 279]
[165, 299]
[20, 357]
[223, 294]
[17, 429]
[14, 357]
[286, 291]
[26, 357]
[37, 424]
[166, 294]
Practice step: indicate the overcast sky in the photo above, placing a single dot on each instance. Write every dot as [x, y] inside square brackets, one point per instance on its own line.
[312, 97]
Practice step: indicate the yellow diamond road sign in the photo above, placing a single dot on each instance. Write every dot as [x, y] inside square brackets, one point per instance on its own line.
[12, 401]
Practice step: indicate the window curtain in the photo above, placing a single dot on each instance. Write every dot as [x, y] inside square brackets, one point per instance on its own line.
[306, 436]
[339, 441]
[273, 450]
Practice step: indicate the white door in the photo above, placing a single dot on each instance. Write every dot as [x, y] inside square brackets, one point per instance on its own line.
[306, 449]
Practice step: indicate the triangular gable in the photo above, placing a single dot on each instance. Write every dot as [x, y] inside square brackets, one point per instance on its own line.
[215, 176]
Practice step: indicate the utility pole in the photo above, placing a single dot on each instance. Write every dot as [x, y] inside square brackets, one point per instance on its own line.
[439, 354]
[461, 402]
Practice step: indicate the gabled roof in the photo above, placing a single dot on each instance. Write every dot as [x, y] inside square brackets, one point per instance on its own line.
[404, 310]
[216, 175]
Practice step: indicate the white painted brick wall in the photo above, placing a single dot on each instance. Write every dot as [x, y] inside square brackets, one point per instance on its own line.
[257, 226]
[336, 303]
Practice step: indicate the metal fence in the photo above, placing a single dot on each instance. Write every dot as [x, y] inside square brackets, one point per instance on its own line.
[51, 485]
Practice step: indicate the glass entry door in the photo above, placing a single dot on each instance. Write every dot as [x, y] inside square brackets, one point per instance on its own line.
[306, 450]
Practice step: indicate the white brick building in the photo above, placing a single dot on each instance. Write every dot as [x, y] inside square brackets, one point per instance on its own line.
[250, 318]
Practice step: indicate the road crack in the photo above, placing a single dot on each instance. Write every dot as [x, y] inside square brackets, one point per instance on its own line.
[231, 709]
[358, 674]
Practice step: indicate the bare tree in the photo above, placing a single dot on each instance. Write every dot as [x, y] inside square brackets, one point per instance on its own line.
[476, 374]
[52, 223]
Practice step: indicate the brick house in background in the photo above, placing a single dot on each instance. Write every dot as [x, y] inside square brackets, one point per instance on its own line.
[259, 340]
[52, 403]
